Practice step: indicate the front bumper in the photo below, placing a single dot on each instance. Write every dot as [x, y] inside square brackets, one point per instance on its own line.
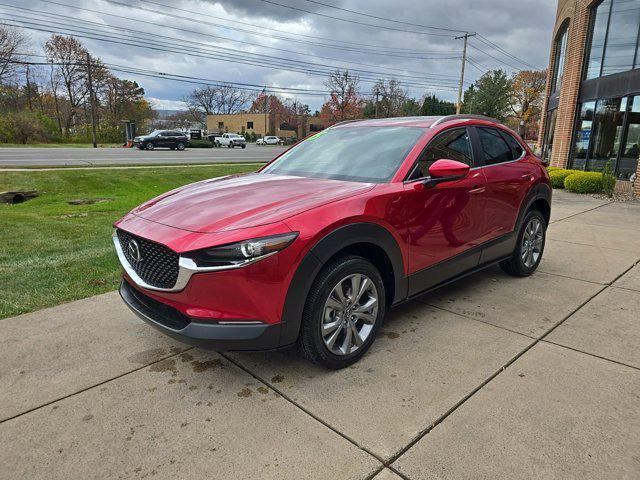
[221, 336]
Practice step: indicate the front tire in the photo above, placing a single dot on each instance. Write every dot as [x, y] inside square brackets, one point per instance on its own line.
[149, 146]
[244, 146]
[343, 312]
[529, 246]
[180, 146]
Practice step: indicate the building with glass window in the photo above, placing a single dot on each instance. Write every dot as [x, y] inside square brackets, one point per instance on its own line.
[592, 104]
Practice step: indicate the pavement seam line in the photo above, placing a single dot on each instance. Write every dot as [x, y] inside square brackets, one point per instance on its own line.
[458, 404]
[580, 213]
[82, 390]
[540, 339]
[468, 317]
[590, 354]
[302, 408]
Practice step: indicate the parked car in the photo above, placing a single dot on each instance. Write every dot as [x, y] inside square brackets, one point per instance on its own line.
[229, 140]
[269, 140]
[162, 138]
[316, 246]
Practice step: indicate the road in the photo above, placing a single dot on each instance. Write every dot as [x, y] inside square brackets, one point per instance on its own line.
[23, 157]
[491, 377]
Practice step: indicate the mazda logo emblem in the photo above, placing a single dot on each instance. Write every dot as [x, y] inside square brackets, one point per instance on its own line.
[134, 250]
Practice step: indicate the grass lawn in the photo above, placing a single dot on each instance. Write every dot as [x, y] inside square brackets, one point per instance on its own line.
[53, 252]
[58, 145]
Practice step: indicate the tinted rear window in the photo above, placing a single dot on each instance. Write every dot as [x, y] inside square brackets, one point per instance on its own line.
[360, 154]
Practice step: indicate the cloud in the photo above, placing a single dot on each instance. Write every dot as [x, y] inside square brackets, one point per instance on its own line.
[243, 40]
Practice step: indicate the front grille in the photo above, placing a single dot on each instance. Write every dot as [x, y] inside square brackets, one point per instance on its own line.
[157, 266]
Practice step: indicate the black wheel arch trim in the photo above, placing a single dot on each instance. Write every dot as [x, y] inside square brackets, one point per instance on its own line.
[541, 191]
[320, 253]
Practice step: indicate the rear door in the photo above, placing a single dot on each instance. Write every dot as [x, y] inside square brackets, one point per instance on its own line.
[508, 178]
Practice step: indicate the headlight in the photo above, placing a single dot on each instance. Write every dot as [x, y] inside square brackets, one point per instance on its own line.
[242, 253]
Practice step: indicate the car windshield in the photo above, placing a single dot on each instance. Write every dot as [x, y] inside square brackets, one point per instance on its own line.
[359, 154]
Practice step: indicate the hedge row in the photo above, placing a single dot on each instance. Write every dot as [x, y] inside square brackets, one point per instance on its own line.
[584, 182]
[558, 177]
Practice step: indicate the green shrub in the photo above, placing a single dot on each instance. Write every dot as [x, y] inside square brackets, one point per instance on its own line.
[608, 180]
[558, 176]
[584, 182]
[200, 144]
[553, 169]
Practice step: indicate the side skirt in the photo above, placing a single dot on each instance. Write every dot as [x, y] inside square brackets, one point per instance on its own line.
[462, 265]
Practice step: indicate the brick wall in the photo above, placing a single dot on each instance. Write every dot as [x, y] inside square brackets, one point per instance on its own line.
[574, 14]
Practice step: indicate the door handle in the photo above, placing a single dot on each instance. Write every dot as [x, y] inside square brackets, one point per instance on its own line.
[476, 189]
[528, 176]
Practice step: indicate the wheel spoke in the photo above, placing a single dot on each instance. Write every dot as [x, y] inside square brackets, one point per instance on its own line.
[367, 306]
[346, 344]
[340, 294]
[332, 339]
[356, 335]
[365, 317]
[327, 328]
[333, 303]
[364, 286]
[356, 280]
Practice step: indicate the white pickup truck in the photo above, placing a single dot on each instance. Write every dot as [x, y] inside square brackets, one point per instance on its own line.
[230, 140]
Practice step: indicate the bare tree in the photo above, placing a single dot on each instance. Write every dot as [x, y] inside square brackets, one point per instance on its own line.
[391, 97]
[344, 90]
[216, 99]
[69, 57]
[13, 42]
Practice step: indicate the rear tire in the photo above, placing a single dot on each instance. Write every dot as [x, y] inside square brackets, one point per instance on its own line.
[338, 327]
[529, 246]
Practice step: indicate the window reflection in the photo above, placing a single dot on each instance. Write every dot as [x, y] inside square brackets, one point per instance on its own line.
[560, 53]
[600, 17]
[630, 150]
[607, 133]
[613, 38]
[583, 135]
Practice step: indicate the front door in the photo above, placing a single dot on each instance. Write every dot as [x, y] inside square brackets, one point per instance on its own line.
[445, 222]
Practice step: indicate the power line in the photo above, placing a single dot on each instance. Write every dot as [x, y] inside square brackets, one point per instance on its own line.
[277, 62]
[450, 35]
[495, 58]
[401, 22]
[489, 43]
[420, 74]
[482, 38]
[391, 50]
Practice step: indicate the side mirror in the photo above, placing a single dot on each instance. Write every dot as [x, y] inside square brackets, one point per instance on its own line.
[445, 170]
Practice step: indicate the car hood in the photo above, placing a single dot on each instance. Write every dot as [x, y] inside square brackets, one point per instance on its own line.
[241, 201]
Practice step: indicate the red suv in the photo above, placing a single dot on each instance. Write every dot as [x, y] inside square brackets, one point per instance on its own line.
[312, 249]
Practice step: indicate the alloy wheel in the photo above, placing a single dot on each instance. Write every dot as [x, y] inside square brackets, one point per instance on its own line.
[349, 314]
[532, 243]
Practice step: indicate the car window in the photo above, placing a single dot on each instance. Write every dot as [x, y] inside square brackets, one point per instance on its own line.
[452, 144]
[359, 154]
[516, 148]
[493, 146]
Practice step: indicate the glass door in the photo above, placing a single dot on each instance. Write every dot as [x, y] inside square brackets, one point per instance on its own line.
[631, 147]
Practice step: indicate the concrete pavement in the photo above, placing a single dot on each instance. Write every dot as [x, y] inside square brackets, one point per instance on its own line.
[23, 157]
[493, 377]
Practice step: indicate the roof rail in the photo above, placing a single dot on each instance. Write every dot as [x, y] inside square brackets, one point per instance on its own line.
[463, 116]
[343, 122]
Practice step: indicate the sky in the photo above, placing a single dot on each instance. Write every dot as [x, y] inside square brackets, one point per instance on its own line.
[294, 43]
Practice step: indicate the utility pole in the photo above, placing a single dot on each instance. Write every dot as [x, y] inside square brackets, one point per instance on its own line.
[377, 94]
[29, 89]
[92, 102]
[464, 60]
